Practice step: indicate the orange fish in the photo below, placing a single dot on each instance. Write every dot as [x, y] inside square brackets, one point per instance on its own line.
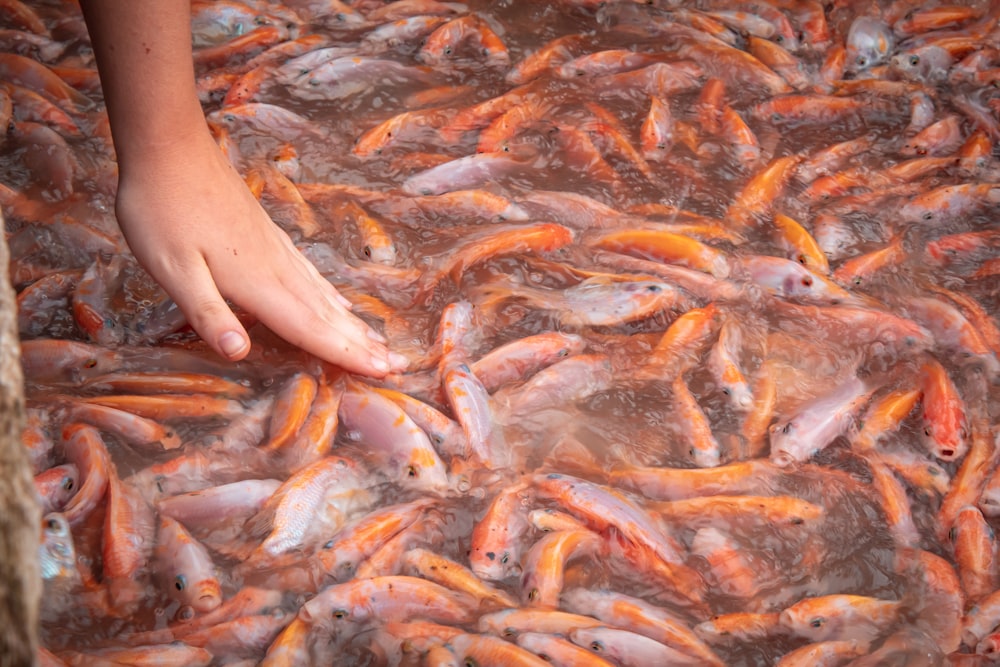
[637, 615]
[695, 429]
[400, 130]
[840, 617]
[495, 550]
[446, 40]
[945, 427]
[895, 505]
[544, 564]
[539, 237]
[975, 553]
[291, 407]
[665, 247]
[490, 650]
[84, 447]
[129, 530]
[448, 573]
[386, 598]
[755, 201]
[885, 414]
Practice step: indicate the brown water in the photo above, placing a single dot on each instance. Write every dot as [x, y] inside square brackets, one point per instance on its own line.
[629, 421]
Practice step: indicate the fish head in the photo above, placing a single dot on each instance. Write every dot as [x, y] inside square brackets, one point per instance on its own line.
[203, 596]
[869, 42]
[786, 443]
[495, 566]
[811, 621]
[944, 442]
[925, 64]
[426, 472]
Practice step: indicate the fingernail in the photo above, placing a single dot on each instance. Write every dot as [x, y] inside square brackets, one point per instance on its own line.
[232, 344]
[376, 336]
[398, 361]
[380, 364]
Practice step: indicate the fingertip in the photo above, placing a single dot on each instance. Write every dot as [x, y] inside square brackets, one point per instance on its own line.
[398, 362]
[233, 345]
[380, 365]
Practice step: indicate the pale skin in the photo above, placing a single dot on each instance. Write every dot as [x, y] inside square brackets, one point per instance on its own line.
[186, 213]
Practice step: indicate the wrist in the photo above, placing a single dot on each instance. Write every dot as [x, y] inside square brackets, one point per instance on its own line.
[168, 152]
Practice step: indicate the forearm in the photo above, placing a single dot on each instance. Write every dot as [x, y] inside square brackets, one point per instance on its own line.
[143, 51]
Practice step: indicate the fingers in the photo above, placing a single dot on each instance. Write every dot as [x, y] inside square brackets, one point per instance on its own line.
[310, 317]
[207, 313]
[338, 336]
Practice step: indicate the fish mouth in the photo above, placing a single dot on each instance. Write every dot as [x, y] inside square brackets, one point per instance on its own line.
[207, 596]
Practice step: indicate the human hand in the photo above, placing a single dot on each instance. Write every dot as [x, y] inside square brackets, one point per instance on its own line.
[193, 224]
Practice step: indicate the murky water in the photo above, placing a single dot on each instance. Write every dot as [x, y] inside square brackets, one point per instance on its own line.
[566, 148]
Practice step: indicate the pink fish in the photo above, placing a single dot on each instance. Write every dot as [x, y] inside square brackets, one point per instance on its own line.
[185, 567]
[818, 422]
[402, 448]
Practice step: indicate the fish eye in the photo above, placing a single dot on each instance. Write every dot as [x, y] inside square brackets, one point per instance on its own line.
[411, 471]
[563, 352]
[533, 594]
[90, 363]
[328, 545]
[159, 483]
[653, 288]
[927, 431]
[505, 558]
[185, 613]
[861, 61]
[180, 582]
[447, 51]
[367, 251]
[340, 613]
[928, 216]
[914, 61]
[509, 632]
[807, 281]
[469, 661]
[68, 484]
[786, 428]
[817, 622]
[596, 646]
[857, 280]
[953, 533]
[52, 524]
[726, 391]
